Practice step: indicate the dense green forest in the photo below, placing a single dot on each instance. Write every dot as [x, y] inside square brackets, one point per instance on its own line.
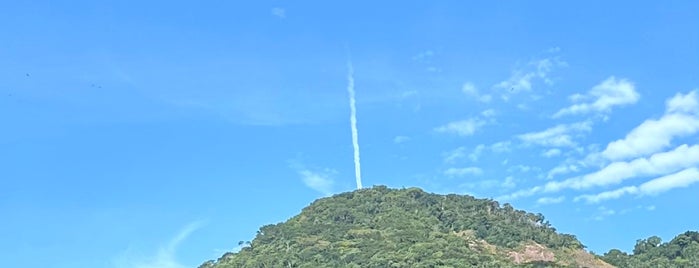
[682, 251]
[382, 227]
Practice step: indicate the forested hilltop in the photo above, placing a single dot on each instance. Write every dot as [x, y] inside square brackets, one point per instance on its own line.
[382, 227]
[681, 251]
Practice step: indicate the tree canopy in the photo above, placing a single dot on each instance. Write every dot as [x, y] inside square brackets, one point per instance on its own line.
[681, 252]
[382, 227]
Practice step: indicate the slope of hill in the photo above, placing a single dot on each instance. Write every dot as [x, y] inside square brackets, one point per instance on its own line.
[382, 227]
[682, 251]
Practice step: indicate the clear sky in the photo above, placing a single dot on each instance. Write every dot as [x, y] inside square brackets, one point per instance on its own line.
[158, 134]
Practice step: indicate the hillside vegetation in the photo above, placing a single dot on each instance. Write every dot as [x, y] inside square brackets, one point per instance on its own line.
[682, 251]
[382, 227]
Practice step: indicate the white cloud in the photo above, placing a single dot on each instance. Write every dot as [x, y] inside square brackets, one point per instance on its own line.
[408, 94]
[401, 139]
[557, 136]
[653, 135]
[433, 69]
[518, 81]
[658, 164]
[500, 147]
[642, 144]
[604, 212]
[521, 80]
[279, 12]
[550, 200]
[470, 90]
[423, 56]
[603, 97]
[509, 182]
[476, 153]
[551, 153]
[680, 179]
[521, 193]
[460, 172]
[488, 113]
[656, 186]
[165, 256]
[562, 169]
[320, 181]
[607, 195]
[521, 168]
[462, 128]
[684, 103]
[454, 155]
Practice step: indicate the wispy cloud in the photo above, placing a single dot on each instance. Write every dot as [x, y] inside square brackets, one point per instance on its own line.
[523, 168]
[489, 113]
[602, 98]
[489, 184]
[522, 80]
[462, 128]
[681, 119]
[509, 182]
[643, 146]
[424, 55]
[656, 186]
[561, 169]
[460, 172]
[521, 193]
[557, 136]
[454, 155]
[320, 180]
[165, 256]
[603, 212]
[550, 200]
[551, 153]
[401, 139]
[408, 94]
[279, 12]
[475, 154]
[682, 157]
[470, 90]
[500, 147]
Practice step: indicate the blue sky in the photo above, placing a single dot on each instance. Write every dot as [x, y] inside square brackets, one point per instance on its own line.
[158, 135]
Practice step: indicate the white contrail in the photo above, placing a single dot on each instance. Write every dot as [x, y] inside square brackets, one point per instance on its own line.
[353, 122]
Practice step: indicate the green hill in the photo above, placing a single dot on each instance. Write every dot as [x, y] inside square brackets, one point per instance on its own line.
[682, 252]
[382, 227]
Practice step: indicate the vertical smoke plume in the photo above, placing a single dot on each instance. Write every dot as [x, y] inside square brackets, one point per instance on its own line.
[353, 122]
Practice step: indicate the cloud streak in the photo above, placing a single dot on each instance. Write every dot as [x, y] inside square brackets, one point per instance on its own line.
[680, 179]
[608, 94]
[279, 12]
[550, 200]
[462, 128]
[165, 256]
[522, 80]
[461, 172]
[353, 124]
[319, 181]
[557, 136]
[681, 119]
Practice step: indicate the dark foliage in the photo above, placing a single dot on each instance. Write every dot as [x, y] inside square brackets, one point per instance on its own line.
[382, 227]
[682, 251]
